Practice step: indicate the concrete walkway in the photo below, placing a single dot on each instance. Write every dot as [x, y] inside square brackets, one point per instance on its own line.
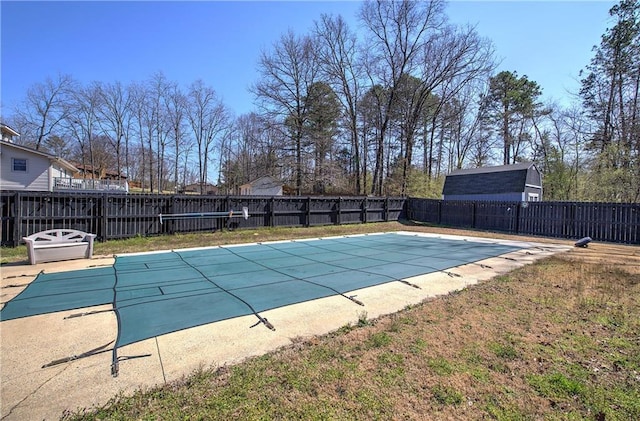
[30, 391]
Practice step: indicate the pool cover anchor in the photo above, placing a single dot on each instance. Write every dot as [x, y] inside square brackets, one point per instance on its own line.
[87, 313]
[15, 285]
[115, 367]
[409, 283]
[264, 321]
[355, 300]
[95, 351]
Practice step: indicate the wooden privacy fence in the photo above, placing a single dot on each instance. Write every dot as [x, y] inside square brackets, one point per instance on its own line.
[611, 222]
[116, 216]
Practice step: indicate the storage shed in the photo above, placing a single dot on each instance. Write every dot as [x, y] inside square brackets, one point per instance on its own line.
[504, 183]
[263, 186]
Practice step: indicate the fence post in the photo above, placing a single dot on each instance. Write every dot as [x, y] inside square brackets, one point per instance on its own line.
[339, 215]
[386, 209]
[572, 227]
[171, 224]
[308, 221]
[517, 223]
[103, 218]
[473, 214]
[17, 219]
[405, 209]
[272, 212]
[439, 212]
[365, 209]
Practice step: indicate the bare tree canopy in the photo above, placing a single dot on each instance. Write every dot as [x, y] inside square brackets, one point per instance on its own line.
[387, 107]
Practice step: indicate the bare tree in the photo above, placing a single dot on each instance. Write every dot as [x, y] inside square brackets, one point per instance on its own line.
[209, 118]
[398, 31]
[176, 109]
[143, 114]
[338, 55]
[83, 122]
[44, 110]
[115, 116]
[158, 92]
[286, 73]
[466, 124]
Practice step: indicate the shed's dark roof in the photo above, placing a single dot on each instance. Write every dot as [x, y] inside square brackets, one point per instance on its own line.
[499, 168]
[487, 180]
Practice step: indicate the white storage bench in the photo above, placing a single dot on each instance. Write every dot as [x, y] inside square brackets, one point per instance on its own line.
[59, 244]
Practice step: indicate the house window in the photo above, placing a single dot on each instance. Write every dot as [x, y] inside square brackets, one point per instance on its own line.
[19, 164]
[533, 197]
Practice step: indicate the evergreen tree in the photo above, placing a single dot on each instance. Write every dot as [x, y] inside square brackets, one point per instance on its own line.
[511, 101]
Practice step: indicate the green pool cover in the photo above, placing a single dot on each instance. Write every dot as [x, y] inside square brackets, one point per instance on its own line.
[158, 293]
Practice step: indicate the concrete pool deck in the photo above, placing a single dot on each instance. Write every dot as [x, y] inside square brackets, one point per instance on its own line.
[30, 391]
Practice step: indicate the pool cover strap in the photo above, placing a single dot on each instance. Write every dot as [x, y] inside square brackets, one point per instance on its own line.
[98, 350]
[260, 318]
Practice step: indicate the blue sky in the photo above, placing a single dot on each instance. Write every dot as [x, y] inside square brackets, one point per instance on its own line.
[220, 42]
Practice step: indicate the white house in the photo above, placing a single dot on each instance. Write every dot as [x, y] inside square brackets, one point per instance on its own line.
[23, 168]
[7, 133]
[263, 186]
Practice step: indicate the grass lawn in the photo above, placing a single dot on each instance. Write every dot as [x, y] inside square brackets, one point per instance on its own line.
[558, 339]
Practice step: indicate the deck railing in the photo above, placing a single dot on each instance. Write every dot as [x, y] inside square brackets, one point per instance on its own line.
[61, 184]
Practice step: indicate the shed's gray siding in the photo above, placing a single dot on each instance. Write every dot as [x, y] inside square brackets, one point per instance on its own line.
[534, 178]
[499, 197]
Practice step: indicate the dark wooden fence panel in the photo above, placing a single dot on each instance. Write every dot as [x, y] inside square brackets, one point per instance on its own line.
[259, 211]
[127, 216]
[323, 211]
[424, 210]
[375, 210]
[25, 214]
[618, 222]
[547, 219]
[291, 213]
[382, 209]
[7, 213]
[351, 210]
[395, 208]
[496, 216]
[122, 216]
[611, 222]
[458, 214]
[118, 216]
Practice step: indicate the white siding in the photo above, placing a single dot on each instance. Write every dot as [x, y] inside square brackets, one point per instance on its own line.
[266, 186]
[35, 178]
[58, 171]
